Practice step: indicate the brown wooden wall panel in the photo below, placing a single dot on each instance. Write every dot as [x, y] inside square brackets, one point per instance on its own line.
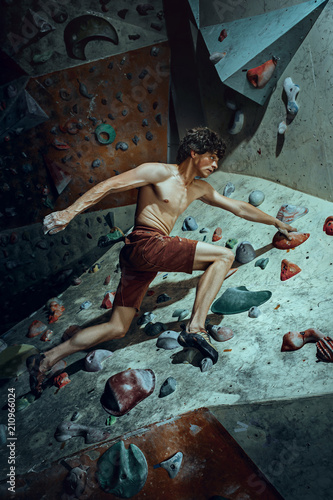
[118, 84]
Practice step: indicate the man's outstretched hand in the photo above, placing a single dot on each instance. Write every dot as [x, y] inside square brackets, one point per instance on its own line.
[284, 228]
[56, 221]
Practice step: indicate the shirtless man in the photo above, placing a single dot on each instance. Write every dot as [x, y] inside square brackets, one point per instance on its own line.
[166, 190]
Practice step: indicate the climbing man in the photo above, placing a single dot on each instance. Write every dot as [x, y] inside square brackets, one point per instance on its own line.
[165, 191]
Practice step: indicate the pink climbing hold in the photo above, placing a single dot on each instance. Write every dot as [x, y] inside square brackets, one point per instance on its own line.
[292, 341]
[126, 389]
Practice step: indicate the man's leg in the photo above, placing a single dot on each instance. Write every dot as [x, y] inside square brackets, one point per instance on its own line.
[215, 261]
[116, 328]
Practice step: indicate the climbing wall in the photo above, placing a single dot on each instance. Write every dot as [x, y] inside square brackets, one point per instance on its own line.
[104, 118]
[251, 41]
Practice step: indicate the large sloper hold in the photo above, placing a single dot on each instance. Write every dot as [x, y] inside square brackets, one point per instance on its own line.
[122, 472]
[84, 29]
[239, 299]
[124, 390]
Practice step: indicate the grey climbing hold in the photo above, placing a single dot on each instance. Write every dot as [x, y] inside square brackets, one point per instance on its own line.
[122, 145]
[189, 224]
[140, 108]
[245, 252]
[94, 359]
[154, 51]
[119, 96]
[254, 312]
[145, 122]
[149, 136]
[238, 123]
[168, 340]
[124, 112]
[173, 464]
[146, 318]
[206, 364]
[229, 188]
[256, 198]
[204, 230]
[135, 139]
[96, 163]
[84, 91]
[168, 387]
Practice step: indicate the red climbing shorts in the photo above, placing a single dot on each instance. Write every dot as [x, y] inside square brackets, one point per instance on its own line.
[147, 251]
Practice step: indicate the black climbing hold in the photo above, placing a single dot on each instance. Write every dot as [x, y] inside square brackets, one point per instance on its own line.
[158, 118]
[86, 138]
[150, 90]
[155, 104]
[140, 108]
[129, 76]
[74, 108]
[143, 73]
[92, 69]
[111, 116]
[145, 122]
[153, 329]
[124, 112]
[119, 96]
[149, 136]
[91, 180]
[168, 387]
[122, 13]
[164, 297]
[122, 62]
[135, 140]
[110, 65]
[104, 101]
[134, 37]
[143, 8]
[156, 26]
[84, 91]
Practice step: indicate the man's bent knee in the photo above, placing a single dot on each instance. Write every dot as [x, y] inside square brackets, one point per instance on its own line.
[227, 256]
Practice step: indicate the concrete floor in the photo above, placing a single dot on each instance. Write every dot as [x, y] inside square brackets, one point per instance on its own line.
[276, 405]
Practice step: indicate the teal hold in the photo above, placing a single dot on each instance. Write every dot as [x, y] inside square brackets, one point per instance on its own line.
[239, 299]
[105, 128]
[122, 472]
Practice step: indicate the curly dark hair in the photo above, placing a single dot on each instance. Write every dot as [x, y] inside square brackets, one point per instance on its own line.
[200, 140]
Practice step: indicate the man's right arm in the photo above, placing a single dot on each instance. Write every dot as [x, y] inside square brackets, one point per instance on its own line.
[147, 173]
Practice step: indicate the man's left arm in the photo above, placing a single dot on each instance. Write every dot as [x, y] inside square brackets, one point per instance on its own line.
[243, 209]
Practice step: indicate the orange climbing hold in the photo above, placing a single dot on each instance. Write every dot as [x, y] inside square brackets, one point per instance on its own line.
[281, 242]
[288, 270]
[217, 234]
[260, 75]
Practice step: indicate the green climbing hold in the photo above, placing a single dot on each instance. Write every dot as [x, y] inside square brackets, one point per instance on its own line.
[122, 472]
[111, 420]
[105, 134]
[231, 243]
[239, 299]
